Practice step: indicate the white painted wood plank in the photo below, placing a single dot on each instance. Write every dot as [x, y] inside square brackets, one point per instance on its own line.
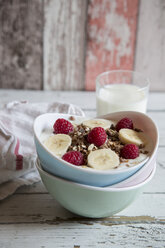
[36, 208]
[21, 25]
[111, 33]
[145, 205]
[64, 44]
[84, 99]
[159, 118]
[33, 189]
[156, 101]
[150, 45]
[143, 220]
[158, 184]
[76, 235]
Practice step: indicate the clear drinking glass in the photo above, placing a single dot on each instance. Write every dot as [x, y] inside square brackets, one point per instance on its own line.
[121, 90]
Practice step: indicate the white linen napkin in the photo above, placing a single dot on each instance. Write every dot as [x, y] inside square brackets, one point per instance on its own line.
[17, 149]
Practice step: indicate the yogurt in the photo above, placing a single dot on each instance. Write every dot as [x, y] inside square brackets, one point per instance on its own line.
[121, 97]
[47, 132]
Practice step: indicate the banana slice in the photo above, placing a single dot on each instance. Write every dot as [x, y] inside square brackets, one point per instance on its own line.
[103, 159]
[58, 144]
[97, 123]
[84, 166]
[129, 136]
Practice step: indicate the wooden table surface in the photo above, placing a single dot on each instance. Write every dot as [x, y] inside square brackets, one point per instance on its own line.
[31, 218]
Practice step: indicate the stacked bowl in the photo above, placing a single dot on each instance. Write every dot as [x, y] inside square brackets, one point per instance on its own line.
[90, 192]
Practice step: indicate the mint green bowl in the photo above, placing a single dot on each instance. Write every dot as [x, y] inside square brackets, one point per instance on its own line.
[90, 201]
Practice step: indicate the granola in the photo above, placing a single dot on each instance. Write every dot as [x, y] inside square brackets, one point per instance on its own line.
[99, 142]
[80, 143]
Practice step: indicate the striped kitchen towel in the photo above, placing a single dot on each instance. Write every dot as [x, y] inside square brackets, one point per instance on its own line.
[17, 149]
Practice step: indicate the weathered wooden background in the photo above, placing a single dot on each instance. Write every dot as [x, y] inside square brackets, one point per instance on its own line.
[65, 44]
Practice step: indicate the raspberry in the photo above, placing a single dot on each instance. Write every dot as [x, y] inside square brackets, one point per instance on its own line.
[63, 126]
[97, 136]
[73, 157]
[129, 151]
[124, 123]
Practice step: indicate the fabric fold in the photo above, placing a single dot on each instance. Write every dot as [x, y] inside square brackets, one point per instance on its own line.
[17, 149]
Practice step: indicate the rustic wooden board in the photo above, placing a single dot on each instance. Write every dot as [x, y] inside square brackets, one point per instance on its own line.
[42, 208]
[33, 189]
[159, 120]
[64, 44]
[150, 45]
[75, 235]
[31, 218]
[111, 37]
[85, 100]
[21, 44]
[61, 27]
[80, 235]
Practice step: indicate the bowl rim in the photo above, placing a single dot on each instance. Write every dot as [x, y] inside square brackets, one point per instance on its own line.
[104, 189]
[91, 170]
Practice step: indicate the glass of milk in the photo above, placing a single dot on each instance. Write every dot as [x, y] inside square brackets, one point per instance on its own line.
[121, 90]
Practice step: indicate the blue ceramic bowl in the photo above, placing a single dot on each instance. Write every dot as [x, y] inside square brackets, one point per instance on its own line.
[63, 169]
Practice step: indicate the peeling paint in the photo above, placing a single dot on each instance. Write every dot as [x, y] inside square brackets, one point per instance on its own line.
[110, 221]
[64, 44]
[111, 36]
[21, 44]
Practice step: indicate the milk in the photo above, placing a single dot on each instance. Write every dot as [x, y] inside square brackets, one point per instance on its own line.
[121, 97]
